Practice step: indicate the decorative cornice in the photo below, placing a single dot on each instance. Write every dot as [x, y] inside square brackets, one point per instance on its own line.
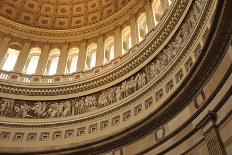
[204, 67]
[153, 84]
[105, 78]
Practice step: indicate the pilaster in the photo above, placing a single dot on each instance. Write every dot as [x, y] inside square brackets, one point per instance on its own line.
[211, 134]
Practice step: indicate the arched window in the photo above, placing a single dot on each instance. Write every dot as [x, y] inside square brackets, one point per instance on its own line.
[10, 59]
[91, 56]
[126, 39]
[52, 62]
[142, 26]
[157, 10]
[109, 50]
[32, 61]
[71, 65]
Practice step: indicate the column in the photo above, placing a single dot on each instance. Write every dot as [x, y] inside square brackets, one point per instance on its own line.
[22, 58]
[149, 16]
[82, 57]
[62, 60]
[3, 48]
[43, 60]
[134, 31]
[117, 42]
[100, 51]
[164, 5]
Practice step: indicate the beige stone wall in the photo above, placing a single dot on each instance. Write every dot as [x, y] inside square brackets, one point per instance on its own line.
[201, 134]
[226, 134]
[202, 127]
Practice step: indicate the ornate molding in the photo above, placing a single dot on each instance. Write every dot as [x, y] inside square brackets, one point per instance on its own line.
[52, 32]
[162, 64]
[160, 115]
[105, 78]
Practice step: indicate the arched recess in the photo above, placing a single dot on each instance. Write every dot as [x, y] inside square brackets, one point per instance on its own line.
[32, 61]
[142, 26]
[52, 63]
[71, 65]
[109, 50]
[91, 56]
[11, 57]
[126, 39]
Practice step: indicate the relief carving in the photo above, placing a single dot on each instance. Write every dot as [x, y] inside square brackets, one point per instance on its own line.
[56, 109]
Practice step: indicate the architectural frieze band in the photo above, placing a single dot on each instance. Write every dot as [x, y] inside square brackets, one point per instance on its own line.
[166, 99]
[109, 79]
[151, 72]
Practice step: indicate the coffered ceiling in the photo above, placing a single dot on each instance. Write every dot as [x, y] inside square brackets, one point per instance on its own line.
[59, 14]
